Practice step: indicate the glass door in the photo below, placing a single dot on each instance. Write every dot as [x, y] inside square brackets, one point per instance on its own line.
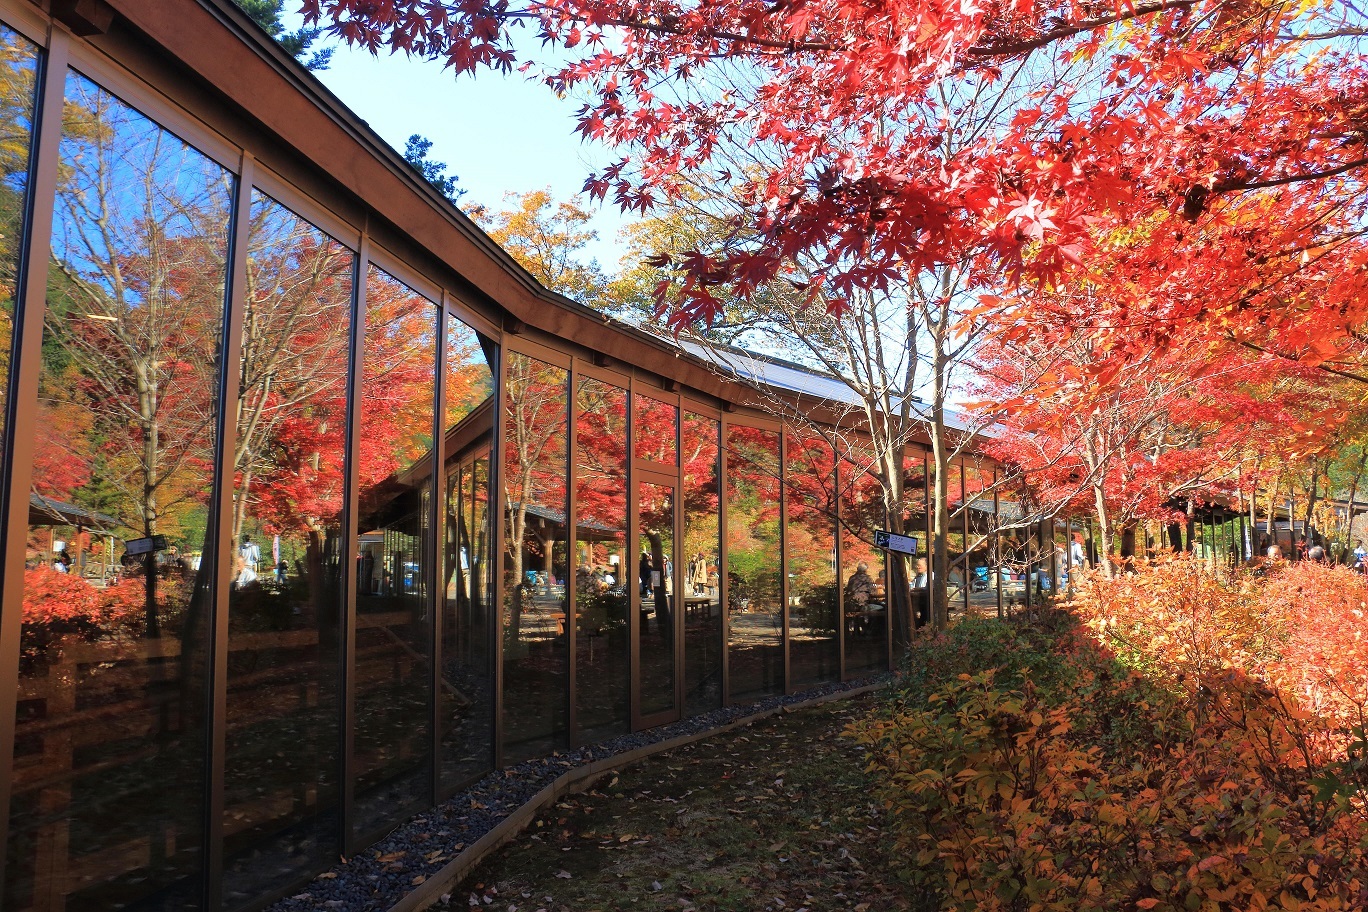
[656, 618]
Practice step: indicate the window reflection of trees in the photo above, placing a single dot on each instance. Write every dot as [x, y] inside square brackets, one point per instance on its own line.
[392, 749]
[655, 640]
[754, 602]
[124, 436]
[700, 497]
[810, 545]
[466, 692]
[863, 579]
[285, 602]
[656, 425]
[18, 71]
[536, 558]
[602, 561]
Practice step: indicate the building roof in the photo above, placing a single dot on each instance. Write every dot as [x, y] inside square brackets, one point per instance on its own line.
[44, 511]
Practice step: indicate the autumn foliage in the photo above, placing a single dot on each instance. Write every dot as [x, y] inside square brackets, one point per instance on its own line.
[1181, 740]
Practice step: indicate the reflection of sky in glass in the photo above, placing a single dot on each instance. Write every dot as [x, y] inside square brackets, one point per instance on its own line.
[469, 381]
[18, 66]
[123, 177]
[400, 359]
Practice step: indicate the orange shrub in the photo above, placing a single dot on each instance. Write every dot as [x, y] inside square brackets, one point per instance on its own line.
[1166, 761]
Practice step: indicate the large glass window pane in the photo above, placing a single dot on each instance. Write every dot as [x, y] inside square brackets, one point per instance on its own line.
[18, 72]
[703, 549]
[656, 585]
[392, 743]
[536, 681]
[864, 587]
[955, 589]
[602, 654]
[979, 519]
[916, 520]
[466, 692]
[108, 774]
[810, 546]
[281, 771]
[755, 617]
[656, 426]
[1012, 551]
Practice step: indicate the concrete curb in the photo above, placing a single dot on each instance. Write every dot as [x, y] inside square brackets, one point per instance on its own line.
[454, 871]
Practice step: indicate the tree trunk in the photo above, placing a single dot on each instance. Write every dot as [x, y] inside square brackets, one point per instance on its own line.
[517, 523]
[664, 617]
[897, 581]
[1104, 530]
[1312, 495]
[1353, 493]
[1128, 544]
[1273, 508]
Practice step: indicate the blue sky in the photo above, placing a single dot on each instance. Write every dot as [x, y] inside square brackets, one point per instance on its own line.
[498, 133]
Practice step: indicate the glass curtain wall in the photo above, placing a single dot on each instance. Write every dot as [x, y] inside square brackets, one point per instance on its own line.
[602, 561]
[978, 523]
[700, 472]
[108, 778]
[285, 603]
[655, 425]
[864, 591]
[956, 590]
[810, 551]
[655, 639]
[465, 690]
[536, 559]
[1012, 550]
[392, 743]
[755, 647]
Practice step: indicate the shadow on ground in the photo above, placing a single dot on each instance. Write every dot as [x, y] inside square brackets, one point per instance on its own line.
[776, 816]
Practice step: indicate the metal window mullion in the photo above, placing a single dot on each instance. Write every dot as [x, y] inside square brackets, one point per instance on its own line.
[783, 563]
[350, 536]
[220, 530]
[437, 518]
[997, 541]
[963, 543]
[888, 583]
[633, 545]
[723, 560]
[498, 500]
[26, 364]
[572, 553]
[840, 566]
[681, 560]
[928, 466]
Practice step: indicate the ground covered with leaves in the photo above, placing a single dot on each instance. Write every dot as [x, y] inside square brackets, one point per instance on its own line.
[776, 816]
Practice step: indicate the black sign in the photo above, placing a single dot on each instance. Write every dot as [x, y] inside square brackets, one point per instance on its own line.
[145, 545]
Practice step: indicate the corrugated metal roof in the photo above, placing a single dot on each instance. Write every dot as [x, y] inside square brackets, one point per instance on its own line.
[764, 370]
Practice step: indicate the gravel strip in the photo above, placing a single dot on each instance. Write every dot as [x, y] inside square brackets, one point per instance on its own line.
[376, 878]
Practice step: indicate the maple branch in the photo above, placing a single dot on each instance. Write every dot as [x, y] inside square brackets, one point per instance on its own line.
[665, 28]
[1242, 186]
[1025, 46]
[1254, 346]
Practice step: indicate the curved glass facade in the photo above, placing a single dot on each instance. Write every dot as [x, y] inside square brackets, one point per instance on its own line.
[300, 542]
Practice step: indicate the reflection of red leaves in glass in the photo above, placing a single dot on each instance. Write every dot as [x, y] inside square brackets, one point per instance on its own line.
[53, 598]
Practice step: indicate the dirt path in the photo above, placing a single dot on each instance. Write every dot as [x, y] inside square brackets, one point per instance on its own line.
[776, 816]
